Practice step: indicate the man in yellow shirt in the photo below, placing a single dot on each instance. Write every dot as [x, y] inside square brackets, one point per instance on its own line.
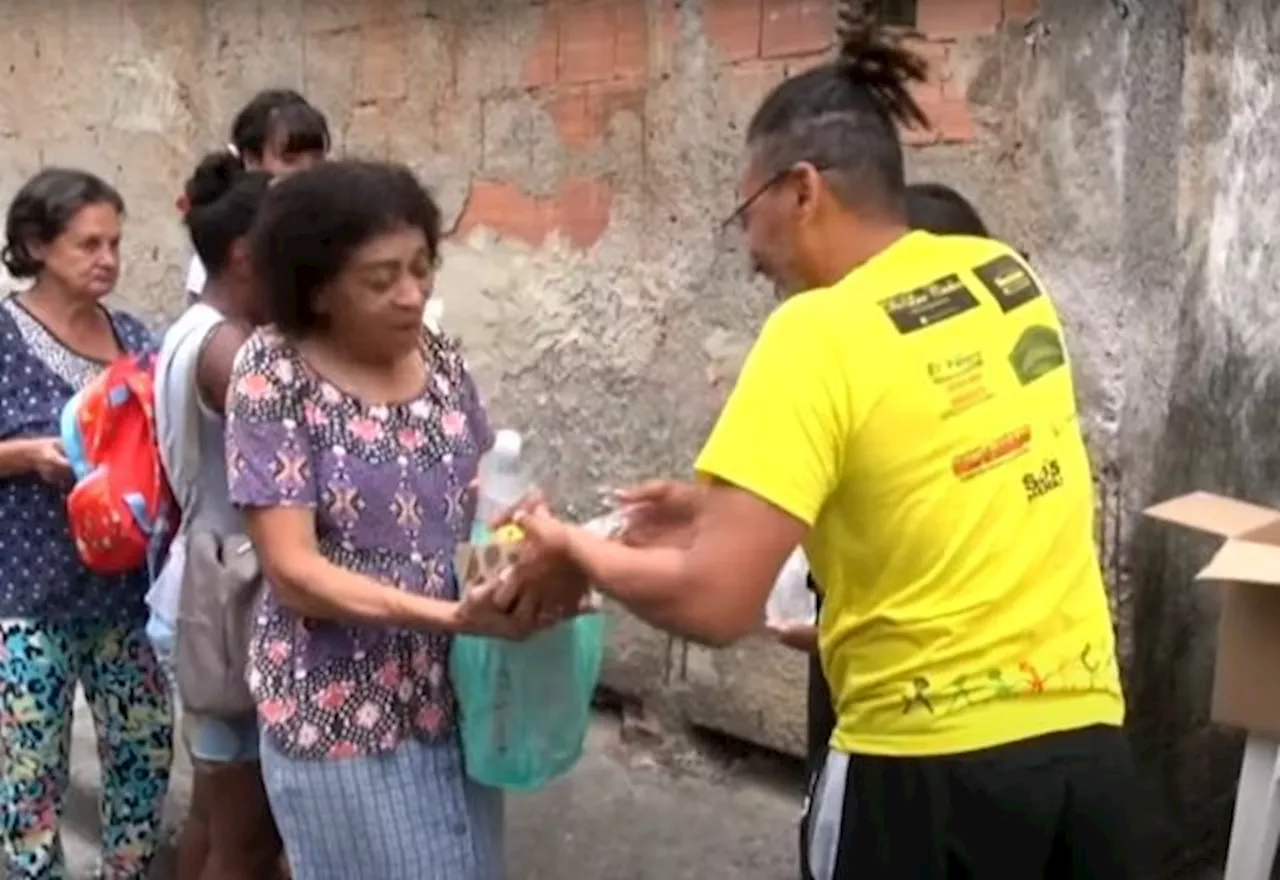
[907, 414]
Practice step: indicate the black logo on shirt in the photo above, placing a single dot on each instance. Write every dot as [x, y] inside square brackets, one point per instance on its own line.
[1043, 480]
[1009, 282]
[929, 305]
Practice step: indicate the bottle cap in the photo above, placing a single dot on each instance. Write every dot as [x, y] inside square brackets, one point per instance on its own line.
[508, 443]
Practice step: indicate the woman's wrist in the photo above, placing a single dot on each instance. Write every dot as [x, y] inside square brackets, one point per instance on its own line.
[434, 615]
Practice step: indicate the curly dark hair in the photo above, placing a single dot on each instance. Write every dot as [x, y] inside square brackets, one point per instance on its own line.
[42, 210]
[313, 221]
[223, 200]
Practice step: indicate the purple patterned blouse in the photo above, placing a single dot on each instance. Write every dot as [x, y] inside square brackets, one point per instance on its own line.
[387, 483]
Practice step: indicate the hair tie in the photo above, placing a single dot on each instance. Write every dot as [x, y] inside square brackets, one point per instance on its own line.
[183, 204]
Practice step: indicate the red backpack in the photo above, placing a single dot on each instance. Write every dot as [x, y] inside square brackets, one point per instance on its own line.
[121, 508]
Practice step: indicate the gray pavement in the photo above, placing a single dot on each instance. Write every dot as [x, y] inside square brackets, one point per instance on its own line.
[621, 815]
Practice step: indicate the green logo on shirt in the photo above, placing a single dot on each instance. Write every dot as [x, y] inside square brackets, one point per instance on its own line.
[1038, 352]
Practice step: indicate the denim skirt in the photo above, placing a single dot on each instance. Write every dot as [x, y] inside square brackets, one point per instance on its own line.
[408, 814]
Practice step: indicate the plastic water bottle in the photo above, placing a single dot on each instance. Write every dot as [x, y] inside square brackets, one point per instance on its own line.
[504, 479]
[433, 314]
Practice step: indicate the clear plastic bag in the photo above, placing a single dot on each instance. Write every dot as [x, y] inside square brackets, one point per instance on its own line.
[791, 601]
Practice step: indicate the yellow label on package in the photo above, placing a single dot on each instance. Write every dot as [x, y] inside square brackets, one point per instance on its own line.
[510, 533]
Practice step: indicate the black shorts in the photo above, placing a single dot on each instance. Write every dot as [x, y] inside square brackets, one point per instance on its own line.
[822, 717]
[1058, 807]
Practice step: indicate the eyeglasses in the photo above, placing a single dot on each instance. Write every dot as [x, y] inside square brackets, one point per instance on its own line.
[740, 212]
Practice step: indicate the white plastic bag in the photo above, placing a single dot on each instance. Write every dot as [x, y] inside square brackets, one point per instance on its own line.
[791, 601]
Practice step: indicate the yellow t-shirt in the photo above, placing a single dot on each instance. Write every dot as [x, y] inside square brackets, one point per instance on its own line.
[920, 417]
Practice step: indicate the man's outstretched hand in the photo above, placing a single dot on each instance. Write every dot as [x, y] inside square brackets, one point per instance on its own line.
[544, 582]
[659, 513]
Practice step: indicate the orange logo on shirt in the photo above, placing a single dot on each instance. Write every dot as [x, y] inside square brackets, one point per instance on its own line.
[984, 458]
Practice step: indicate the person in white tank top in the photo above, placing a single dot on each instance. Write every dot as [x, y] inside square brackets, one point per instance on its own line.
[230, 833]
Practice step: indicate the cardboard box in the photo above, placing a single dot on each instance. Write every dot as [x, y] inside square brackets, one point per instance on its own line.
[1246, 675]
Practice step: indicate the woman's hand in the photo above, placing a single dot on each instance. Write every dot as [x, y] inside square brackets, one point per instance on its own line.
[545, 582]
[48, 461]
[659, 513]
[479, 613]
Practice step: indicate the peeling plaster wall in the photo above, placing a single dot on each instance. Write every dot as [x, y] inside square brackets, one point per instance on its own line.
[584, 152]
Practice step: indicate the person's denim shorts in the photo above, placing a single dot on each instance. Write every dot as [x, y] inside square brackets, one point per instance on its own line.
[209, 739]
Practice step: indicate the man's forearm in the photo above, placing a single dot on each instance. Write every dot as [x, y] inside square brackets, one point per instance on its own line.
[655, 583]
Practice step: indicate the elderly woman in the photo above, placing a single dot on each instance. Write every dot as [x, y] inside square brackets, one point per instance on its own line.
[61, 624]
[353, 435]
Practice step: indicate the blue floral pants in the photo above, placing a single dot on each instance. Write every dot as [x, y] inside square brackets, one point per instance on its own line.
[40, 665]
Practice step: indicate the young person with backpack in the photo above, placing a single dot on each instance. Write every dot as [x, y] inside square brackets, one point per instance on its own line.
[202, 600]
[69, 614]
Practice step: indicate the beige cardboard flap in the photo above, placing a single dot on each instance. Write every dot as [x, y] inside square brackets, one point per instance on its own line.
[1214, 514]
[1245, 562]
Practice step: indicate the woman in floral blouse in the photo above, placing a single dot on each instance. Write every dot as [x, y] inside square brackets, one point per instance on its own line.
[353, 435]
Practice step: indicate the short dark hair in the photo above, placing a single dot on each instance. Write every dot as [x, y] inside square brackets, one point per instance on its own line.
[937, 208]
[222, 203]
[313, 221]
[842, 117]
[275, 111]
[42, 210]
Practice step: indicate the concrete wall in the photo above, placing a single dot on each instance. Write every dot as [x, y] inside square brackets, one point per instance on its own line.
[584, 152]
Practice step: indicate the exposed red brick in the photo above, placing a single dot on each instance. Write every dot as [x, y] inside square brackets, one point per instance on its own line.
[631, 50]
[919, 137]
[798, 64]
[588, 41]
[579, 211]
[751, 81]
[668, 25]
[582, 210]
[949, 19]
[582, 113]
[935, 54]
[796, 27]
[1020, 10]
[540, 67]
[734, 27]
[953, 121]
[574, 115]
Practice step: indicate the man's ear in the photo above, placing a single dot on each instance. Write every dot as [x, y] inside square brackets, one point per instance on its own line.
[808, 183]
